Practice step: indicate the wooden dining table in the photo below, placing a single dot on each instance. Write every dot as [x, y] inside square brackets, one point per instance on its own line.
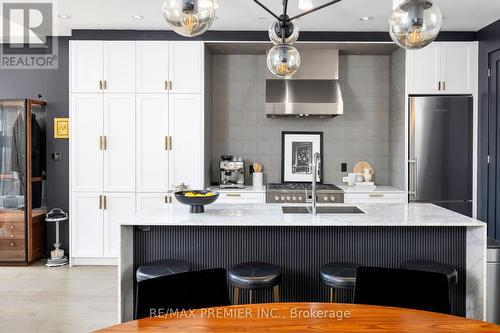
[303, 317]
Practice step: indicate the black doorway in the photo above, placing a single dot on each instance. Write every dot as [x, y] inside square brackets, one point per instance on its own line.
[493, 202]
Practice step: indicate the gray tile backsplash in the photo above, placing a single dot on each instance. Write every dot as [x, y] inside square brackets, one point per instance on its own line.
[240, 126]
[397, 119]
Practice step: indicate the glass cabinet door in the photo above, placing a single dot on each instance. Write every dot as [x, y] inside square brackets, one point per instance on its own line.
[12, 180]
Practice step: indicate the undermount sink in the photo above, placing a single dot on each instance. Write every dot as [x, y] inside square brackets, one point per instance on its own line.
[322, 210]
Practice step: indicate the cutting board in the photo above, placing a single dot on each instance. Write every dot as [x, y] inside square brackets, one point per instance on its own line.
[360, 166]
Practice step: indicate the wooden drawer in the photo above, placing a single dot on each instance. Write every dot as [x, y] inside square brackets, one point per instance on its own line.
[237, 197]
[11, 234]
[375, 197]
[11, 244]
[12, 255]
[11, 226]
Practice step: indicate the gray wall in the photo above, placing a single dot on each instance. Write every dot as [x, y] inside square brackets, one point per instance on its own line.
[397, 119]
[53, 85]
[241, 128]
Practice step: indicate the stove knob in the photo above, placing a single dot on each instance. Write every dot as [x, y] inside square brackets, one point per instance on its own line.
[294, 198]
[300, 198]
[325, 199]
[282, 198]
[287, 198]
[332, 198]
[276, 198]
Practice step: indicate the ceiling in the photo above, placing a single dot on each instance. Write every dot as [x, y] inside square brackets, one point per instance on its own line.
[460, 15]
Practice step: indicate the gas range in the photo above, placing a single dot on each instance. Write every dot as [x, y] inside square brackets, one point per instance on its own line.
[301, 193]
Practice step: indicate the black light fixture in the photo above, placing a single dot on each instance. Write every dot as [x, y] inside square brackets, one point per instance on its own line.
[284, 59]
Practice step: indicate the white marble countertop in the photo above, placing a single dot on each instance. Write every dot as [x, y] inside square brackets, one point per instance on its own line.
[385, 189]
[413, 214]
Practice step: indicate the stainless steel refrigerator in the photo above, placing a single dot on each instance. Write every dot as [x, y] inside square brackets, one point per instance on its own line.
[440, 151]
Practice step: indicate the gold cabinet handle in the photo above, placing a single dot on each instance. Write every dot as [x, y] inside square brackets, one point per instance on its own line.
[439, 85]
[168, 199]
[100, 201]
[376, 195]
[170, 85]
[233, 195]
[105, 84]
[168, 143]
[100, 142]
[105, 143]
[166, 85]
[104, 204]
[444, 85]
[100, 84]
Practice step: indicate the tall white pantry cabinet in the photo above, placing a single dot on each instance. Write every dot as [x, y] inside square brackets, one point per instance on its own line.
[136, 113]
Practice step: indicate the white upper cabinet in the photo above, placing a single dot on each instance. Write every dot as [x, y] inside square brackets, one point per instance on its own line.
[107, 67]
[86, 142]
[459, 67]
[152, 135]
[119, 142]
[118, 206]
[186, 67]
[119, 67]
[443, 68]
[186, 130]
[86, 66]
[152, 67]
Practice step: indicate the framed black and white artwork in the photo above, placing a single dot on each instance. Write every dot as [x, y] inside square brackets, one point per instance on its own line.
[297, 152]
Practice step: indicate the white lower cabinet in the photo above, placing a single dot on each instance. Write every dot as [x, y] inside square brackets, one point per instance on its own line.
[86, 225]
[375, 197]
[147, 202]
[95, 224]
[118, 206]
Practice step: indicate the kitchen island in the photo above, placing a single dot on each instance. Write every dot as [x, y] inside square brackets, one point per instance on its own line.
[384, 235]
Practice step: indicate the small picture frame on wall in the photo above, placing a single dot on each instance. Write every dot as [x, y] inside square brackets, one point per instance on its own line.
[61, 128]
[297, 152]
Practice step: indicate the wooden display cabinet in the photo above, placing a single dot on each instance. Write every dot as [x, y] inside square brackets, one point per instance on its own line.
[22, 181]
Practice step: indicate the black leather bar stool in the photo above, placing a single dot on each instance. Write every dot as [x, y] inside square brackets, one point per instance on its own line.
[338, 275]
[434, 267]
[162, 268]
[252, 276]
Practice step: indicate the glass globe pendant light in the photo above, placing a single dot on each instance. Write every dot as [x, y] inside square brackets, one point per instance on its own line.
[283, 60]
[276, 31]
[189, 18]
[415, 24]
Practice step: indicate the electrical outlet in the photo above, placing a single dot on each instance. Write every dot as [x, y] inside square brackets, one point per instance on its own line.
[343, 167]
[57, 156]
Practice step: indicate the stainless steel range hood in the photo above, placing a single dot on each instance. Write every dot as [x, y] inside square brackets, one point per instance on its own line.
[314, 91]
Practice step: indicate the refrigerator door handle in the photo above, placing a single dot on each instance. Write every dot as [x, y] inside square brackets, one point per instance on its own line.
[414, 173]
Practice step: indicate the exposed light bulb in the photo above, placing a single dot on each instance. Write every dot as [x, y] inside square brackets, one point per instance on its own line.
[190, 22]
[283, 60]
[189, 17]
[415, 24]
[415, 36]
[306, 4]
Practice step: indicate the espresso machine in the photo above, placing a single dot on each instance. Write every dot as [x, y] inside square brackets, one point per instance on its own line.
[232, 172]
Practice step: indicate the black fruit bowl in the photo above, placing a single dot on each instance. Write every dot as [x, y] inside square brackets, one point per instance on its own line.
[196, 203]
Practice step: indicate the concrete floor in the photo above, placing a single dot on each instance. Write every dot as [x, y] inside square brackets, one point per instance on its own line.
[41, 299]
